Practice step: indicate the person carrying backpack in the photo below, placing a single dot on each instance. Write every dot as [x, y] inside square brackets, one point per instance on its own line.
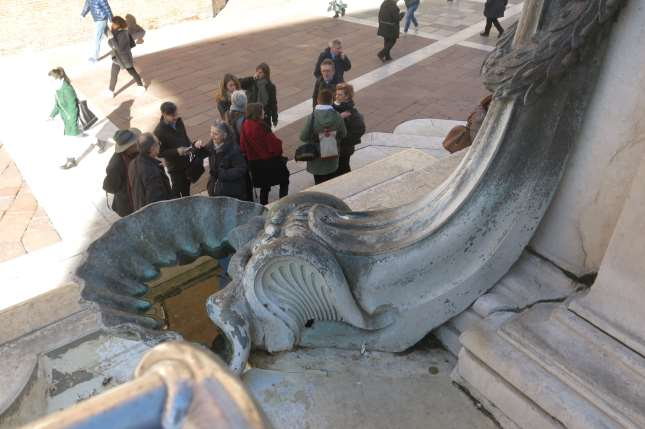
[325, 129]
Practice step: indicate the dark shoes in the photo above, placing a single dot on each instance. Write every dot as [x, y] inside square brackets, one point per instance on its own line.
[381, 56]
[485, 34]
[101, 145]
[71, 163]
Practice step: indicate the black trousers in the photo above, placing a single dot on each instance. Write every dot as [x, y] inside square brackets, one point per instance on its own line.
[343, 165]
[264, 193]
[321, 178]
[490, 22]
[114, 74]
[388, 44]
[180, 184]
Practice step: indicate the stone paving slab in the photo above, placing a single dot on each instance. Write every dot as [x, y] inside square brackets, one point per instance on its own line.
[24, 226]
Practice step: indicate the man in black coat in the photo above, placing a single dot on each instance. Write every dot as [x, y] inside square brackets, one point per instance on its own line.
[148, 179]
[326, 81]
[175, 146]
[494, 9]
[389, 17]
[116, 180]
[341, 61]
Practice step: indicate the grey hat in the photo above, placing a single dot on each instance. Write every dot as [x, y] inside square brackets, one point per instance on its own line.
[124, 139]
[238, 101]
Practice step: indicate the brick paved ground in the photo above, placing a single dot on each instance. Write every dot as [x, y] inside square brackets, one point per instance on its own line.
[24, 226]
[446, 85]
[189, 75]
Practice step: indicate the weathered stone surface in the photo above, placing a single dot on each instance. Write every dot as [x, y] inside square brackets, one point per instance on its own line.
[531, 280]
[581, 364]
[324, 388]
[563, 366]
[615, 303]
[577, 228]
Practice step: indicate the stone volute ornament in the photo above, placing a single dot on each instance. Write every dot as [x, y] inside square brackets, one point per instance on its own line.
[311, 272]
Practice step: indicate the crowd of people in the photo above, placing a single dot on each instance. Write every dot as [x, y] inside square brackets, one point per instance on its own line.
[243, 152]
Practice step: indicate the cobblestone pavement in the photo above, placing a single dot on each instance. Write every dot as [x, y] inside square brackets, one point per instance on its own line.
[440, 84]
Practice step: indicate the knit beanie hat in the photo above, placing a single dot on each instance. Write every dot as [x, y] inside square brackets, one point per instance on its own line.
[238, 101]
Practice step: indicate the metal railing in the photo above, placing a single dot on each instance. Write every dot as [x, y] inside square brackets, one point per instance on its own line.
[175, 385]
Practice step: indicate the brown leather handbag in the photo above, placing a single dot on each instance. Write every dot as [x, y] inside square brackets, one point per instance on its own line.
[457, 139]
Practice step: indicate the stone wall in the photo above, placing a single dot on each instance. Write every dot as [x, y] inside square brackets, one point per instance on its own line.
[42, 24]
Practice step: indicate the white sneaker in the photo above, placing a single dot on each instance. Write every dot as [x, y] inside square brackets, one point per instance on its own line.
[108, 94]
[416, 30]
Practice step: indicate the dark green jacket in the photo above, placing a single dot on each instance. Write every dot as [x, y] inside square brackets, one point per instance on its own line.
[67, 106]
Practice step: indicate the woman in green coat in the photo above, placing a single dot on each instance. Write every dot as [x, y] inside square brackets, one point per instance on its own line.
[66, 102]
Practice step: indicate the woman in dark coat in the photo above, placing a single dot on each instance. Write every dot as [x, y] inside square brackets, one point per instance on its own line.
[260, 89]
[493, 9]
[227, 166]
[122, 44]
[263, 151]
[148, 180]
[344, 104]
[389, 17]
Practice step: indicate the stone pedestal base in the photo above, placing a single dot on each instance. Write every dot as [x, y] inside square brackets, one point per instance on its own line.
[549, 368]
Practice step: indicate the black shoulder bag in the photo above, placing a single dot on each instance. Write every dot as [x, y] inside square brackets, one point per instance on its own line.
[309, 151]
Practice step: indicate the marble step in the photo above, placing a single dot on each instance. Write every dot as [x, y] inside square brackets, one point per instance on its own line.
[331, 388]
[530, 280]
[427, 127]
[429, 144]
[560, 365]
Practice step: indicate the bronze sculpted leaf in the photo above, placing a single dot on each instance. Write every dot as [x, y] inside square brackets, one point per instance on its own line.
[566, 31]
